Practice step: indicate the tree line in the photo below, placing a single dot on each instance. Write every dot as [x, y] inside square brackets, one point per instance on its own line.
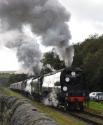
[89, 56]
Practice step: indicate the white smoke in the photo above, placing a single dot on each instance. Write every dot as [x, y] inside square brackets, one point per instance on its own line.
[67, 54]
[47, 18]
[51, 99]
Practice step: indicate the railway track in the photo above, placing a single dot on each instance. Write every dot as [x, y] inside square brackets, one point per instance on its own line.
[95, 115]
[88, 117]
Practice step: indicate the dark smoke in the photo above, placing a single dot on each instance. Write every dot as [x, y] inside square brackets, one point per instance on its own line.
[47, 18]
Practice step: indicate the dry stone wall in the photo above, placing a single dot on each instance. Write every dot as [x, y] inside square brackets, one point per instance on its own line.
[14, 111]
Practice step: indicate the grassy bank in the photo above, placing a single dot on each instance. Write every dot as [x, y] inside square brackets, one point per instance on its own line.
[96, 107]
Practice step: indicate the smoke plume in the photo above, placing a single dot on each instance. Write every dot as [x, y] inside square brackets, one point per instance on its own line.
[28, 53]
[47, 18]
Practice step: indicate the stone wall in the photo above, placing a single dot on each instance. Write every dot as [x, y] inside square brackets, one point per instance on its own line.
[14, 111]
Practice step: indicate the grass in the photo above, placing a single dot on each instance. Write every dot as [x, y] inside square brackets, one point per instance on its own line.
[60, 118]
[96, 106]
[8, 92]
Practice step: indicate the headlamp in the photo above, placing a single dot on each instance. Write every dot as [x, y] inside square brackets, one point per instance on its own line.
[65, 88]
[67, 79]
[73, 74]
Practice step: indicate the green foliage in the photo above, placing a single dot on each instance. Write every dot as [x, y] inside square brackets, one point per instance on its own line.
[45, 70]
[51, 61]
[4, 79]
[17, 78]
[89, 56]
[5, 75]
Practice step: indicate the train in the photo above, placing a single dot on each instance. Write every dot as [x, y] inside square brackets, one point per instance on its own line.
[64, 88]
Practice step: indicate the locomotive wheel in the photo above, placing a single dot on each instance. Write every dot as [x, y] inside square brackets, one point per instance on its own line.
[66, 108]
[81, 106]
[71, 107]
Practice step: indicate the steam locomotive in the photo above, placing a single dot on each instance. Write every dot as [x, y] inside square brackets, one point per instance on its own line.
[65, 88]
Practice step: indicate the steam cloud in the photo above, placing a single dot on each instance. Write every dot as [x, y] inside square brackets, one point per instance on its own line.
[47, 18]
[28, 53]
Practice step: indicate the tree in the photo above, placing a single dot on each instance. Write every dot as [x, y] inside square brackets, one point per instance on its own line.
[17, 78]
[51, 61]
[89, 56]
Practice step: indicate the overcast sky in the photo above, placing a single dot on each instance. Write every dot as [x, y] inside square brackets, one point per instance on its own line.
[86, 19]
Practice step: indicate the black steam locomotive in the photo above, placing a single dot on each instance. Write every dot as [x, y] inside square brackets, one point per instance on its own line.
[65, 88]
[74, 92]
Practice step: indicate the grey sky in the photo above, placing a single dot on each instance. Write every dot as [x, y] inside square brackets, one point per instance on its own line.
[86, 19]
